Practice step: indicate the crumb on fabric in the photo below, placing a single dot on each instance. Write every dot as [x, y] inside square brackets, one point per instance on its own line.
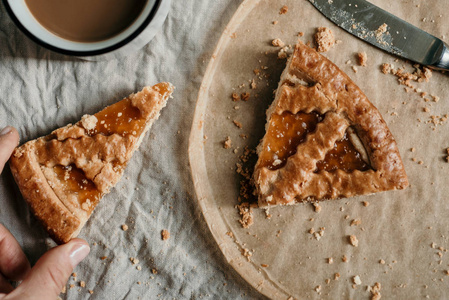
[134, 260]
[362, 58]
[324, 39]
[82, 284]
[165, 234]
[91, 292]
[154, 271]
[124, 227]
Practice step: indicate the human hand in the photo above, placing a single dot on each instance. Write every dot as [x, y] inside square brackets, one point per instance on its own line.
[47, 278]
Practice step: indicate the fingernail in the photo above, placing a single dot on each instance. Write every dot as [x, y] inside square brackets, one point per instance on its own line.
[6, 130]
[78, 253]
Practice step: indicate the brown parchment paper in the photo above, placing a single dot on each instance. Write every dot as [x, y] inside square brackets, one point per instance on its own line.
[406, 229]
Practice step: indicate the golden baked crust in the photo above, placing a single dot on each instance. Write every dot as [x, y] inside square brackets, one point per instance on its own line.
[63, 176]
[312, 83]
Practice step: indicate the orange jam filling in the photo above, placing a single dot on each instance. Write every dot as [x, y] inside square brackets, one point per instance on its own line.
[285, 133]
[121, 118]
[75, 182]
[343, 156]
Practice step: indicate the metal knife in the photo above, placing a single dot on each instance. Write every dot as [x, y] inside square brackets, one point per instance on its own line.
[366, 21]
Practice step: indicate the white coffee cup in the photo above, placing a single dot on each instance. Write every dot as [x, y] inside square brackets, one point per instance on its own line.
[137, 35]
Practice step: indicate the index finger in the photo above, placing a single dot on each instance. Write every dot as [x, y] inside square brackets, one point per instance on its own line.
[13, 263]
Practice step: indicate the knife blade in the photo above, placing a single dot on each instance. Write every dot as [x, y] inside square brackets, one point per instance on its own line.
[386, 31]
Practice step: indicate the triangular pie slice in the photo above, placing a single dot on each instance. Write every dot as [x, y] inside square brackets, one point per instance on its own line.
[324, 139]
[64, 175]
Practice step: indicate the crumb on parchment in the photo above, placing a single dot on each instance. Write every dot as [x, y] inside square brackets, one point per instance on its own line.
[283, 10]
[362, 58]
[277, 43]
[353, 240]
[324, 39]
[227, 143]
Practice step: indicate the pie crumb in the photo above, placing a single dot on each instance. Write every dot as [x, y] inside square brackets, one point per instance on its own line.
[134, 260]
[82, 284]
[154, 271]
[246, 212]
[284, 10]
[336, 276]
[362, 58]
[356, 279]
[238, 124]
[382, 262]
[324, 39]
[356, 222]
[344, 258]
[227, 143]
[165, 234]
[235, 97]
[245, 96]
[277, 43]
[353, 240]
[124, 227]
[330, 260]
[91, 292]
[317, 207]
[365, 203]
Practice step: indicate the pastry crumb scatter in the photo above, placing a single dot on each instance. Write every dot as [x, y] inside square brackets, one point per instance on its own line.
[375, 291]
[284, 10]
[264, 265]
[91, 292]
[134, 260]
[317, 207]
[277, 43]
[362, 58]
[365, 203]
[246, 253]
[230, 234]
[353, 240]
[344, 258]
[124, 227]
[336, 276]
[354, 68]
[165, 234]
[227, 143]
[330, 260]
[235, 97]
[82, 284]
[382, 262]
[324, 39]
[318, 288]
[154, 271]
[246, 212]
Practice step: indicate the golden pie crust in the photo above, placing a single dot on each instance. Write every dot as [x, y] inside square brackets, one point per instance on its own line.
[313, 84]
[63, 176]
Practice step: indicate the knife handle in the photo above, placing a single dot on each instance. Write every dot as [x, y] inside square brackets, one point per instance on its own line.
[442, 58]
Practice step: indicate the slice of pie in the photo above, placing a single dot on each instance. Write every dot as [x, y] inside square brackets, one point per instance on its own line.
[324, 139]
[64, 175]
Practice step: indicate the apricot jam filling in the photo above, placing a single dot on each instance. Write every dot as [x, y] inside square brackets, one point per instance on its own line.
[343, 156]
[285, 133]
[76, 182]
[121, 118]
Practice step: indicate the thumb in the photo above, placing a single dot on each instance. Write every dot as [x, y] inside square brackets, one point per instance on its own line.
[51, 272]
